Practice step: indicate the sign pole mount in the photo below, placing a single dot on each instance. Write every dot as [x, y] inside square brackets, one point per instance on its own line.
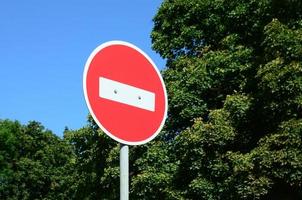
[124, 172]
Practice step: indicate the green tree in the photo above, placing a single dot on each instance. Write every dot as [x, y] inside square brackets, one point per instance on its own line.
[34, 162]
[234, 79]
[152, 172]
[96, 174]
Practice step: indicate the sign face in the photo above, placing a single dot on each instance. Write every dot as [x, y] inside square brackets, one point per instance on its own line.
[125, 93]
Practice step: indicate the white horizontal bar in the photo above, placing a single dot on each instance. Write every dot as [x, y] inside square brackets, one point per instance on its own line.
[126, 94]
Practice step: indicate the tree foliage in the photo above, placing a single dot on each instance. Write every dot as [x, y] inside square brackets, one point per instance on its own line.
[93, 151]
[34, 163]
[234, 82]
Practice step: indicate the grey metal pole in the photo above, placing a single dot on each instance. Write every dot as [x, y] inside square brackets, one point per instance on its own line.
[124, 172]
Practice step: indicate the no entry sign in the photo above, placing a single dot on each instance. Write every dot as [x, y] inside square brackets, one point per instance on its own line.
[125, 93]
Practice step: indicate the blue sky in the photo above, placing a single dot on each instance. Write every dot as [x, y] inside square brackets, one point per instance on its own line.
[44, 46]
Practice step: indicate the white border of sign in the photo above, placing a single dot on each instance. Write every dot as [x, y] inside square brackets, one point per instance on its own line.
[92, 55]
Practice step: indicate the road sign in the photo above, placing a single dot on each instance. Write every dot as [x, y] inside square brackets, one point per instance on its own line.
[125, 92]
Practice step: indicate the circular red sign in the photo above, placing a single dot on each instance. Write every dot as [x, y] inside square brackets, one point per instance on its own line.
[125, 92]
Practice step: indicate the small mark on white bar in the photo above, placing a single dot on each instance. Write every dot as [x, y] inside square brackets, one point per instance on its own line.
[126, 94]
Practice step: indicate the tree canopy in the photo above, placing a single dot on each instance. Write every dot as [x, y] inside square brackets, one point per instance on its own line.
[34, 163]
[235, 87]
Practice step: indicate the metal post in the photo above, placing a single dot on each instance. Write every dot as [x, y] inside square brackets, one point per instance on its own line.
[124, 172]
